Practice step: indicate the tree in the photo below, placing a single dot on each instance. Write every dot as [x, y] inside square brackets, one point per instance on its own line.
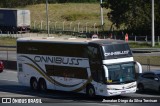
[135, 15]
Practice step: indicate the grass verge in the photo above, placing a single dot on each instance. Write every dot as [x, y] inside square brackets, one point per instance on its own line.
[152, 60]
[68, 12]
[7, 41]
[142, 45]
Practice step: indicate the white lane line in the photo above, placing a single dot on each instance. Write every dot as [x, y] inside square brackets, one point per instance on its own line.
[9, 80]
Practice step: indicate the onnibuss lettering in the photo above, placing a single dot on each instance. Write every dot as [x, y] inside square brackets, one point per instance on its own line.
[117, 53]
[58, 60]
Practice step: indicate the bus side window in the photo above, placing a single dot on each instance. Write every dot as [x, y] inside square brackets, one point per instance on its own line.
[92, 53]
[94, 60]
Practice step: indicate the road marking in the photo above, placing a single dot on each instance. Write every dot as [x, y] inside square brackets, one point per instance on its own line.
[9, 80]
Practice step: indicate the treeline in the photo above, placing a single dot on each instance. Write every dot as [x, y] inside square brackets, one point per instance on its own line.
[16, 3]
[134, 15]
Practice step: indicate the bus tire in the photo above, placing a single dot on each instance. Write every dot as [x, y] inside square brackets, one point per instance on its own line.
[90, 91]
[34, 84]
[42, 85]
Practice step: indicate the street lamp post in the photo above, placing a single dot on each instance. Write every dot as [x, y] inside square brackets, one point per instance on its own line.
[47, 17]
[153, 34]
[101, 10]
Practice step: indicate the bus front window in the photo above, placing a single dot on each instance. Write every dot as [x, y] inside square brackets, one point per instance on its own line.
[121, 73]
[116, 51]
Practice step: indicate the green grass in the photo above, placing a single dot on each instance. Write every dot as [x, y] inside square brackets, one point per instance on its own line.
[69, 12]
[152, 60]
[142, 45]
[7, 41]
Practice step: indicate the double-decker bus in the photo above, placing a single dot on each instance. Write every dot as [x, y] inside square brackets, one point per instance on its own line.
[94, 67]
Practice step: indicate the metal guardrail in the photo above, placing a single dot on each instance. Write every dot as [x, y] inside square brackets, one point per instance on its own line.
[84, 34]
[8, 64]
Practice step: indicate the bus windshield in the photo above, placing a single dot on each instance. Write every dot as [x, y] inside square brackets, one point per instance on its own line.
[121, 73]
[117, 51]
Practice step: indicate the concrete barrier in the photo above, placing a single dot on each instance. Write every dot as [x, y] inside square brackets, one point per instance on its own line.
[12, 65]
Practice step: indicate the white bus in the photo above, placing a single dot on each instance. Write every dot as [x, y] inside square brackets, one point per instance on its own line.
[95, 67]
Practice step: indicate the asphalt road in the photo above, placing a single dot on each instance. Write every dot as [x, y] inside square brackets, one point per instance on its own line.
[9, 87]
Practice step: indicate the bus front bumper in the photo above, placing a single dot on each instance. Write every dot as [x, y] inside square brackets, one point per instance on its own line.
[120, 92]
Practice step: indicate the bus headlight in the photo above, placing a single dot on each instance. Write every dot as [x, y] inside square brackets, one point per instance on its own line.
[132, 86]
[112, 89]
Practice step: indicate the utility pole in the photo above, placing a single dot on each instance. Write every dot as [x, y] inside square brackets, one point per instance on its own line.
[101, 10]
[153, 34]
[47, 17]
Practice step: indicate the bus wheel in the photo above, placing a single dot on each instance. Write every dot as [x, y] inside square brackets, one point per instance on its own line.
[34, 84]
[42, 85]
[90, 91]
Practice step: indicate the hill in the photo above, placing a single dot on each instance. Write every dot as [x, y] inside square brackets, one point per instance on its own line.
[68, 12]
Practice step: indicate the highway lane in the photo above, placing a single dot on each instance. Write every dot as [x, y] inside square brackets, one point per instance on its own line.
[9, 87]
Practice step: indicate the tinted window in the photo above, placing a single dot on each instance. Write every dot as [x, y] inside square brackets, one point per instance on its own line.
[69, 72]
[117, 51]
[93, 53]
[158, 75]
[55, 49]
[121, 73]
[108, 50]
[148, 75]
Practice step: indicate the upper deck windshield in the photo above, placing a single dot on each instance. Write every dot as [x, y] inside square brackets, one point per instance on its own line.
[117, 51]
[121, 73]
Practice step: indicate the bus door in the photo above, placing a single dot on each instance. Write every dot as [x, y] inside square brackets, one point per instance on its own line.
[23, 74]
[20, 72]
[95, 62]
[101, 85]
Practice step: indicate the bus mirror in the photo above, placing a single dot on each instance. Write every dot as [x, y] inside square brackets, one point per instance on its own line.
[156, 79]
[139, 67]
[106, 71]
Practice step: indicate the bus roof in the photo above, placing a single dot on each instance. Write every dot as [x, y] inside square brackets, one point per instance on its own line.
[70, 40]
